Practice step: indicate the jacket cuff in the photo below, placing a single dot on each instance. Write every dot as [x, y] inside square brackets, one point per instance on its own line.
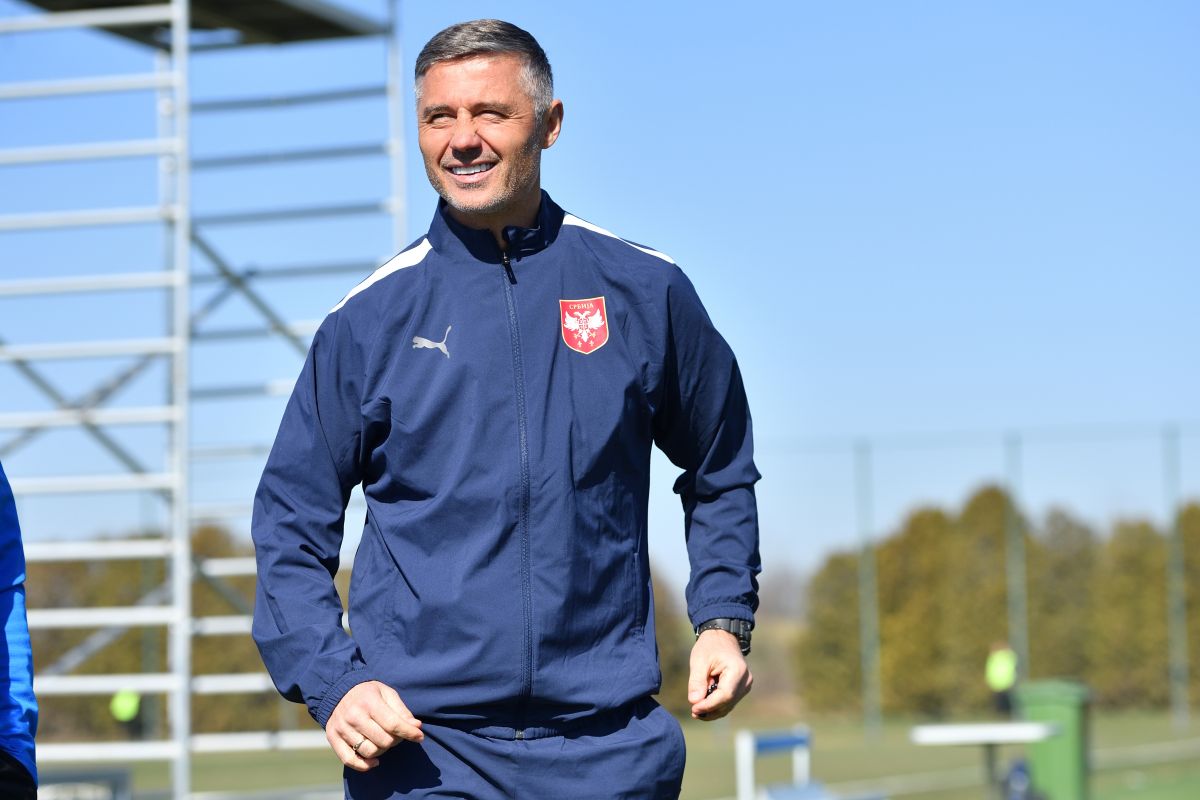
[720, 611]
[336, 691]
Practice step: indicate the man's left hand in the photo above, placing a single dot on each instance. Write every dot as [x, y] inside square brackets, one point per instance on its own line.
[717, 658]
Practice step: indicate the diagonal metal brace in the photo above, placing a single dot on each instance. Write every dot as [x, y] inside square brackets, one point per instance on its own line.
[99, 395]
[276, 322]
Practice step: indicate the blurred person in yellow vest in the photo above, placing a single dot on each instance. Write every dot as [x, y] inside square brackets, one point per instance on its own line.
[1001, 675]
[126, 708]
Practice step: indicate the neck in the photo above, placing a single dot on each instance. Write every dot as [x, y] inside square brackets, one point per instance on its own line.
[522, 214]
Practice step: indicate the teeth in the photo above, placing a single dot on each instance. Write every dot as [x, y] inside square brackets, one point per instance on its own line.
[471, 170]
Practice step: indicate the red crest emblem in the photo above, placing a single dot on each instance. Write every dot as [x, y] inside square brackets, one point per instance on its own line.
[584, 324]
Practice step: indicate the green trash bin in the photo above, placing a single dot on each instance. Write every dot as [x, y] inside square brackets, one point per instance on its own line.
[1059, 766]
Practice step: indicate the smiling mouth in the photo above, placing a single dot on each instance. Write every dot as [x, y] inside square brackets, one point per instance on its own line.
[472, 169]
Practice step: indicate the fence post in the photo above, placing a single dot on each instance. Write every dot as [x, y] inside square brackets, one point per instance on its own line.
[868, 600]
[1017, 589]
[1176, 583]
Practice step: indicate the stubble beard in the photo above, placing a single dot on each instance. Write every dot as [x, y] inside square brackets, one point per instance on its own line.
[524, 174]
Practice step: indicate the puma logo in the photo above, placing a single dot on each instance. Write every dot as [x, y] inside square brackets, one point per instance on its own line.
[421, 341]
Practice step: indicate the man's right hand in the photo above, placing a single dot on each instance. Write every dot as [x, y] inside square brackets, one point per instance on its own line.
[371, 716]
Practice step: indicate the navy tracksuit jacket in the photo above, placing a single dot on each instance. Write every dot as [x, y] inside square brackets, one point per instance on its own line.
[18, 706]
[499, 413]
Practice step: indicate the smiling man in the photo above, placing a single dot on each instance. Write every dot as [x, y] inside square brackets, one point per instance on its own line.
[502, 636]
[483, 123]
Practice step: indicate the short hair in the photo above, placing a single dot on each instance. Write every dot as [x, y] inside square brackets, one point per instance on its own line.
[482, 36]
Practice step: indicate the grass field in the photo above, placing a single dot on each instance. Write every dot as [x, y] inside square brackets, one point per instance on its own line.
[1125, 749]
[1137, 755]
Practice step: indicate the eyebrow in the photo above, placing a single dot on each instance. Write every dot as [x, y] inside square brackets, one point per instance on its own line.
[429, 111]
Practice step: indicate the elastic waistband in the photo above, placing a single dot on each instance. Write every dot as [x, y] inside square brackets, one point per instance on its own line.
[598, 723]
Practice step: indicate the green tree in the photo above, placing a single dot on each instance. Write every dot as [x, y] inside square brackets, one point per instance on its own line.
[912, 575]
[1061, 562]
[143, 649]
[675, 637]
[1189, 530]
[85, 585]
[1128, 652]
[830, 672]
[223, 654]
[974, 596]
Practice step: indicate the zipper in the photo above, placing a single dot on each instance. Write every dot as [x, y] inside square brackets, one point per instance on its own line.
[508, 270]
[524, 500]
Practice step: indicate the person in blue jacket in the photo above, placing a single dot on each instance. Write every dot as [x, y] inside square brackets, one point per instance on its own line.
[496, 389]
[18, 707]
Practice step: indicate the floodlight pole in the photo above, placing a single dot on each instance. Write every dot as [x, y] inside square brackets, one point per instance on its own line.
[395, 142]
[1018, 618]
[180, 632]
[868, 600]
[1176, 583]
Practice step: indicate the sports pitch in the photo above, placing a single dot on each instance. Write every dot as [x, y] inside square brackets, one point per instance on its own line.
[1136, 755]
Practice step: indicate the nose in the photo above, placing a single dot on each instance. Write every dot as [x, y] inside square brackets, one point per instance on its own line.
[465, 137]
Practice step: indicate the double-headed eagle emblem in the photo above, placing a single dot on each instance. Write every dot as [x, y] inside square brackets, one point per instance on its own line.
[584, 326]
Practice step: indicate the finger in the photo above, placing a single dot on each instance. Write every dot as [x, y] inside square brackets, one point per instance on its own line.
[732, 686]
[377, 740]
[395, 717]
[718, 701]
[345, 753]
[699, 679]
[392, 699]
[380, 713]
[409, 731]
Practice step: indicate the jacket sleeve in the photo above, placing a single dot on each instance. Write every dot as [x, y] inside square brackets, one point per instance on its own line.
[299, 514]
[18, 706]
[702, 423]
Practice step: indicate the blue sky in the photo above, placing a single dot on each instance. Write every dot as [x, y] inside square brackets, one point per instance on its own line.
[919, 218]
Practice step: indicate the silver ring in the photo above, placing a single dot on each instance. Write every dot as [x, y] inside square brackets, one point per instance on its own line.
[360, 744]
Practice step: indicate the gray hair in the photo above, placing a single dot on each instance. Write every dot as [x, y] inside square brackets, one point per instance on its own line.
[483, 36]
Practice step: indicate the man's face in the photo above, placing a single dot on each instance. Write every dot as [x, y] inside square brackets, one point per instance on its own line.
[481, 140]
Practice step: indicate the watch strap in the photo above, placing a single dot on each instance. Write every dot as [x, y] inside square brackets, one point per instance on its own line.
[739, 628]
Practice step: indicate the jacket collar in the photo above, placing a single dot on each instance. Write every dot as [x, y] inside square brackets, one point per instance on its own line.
[449, 236]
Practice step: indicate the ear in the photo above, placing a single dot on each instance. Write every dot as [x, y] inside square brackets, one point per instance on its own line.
[554, 119]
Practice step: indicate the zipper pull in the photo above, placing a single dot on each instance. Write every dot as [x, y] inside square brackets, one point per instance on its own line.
[508, 267]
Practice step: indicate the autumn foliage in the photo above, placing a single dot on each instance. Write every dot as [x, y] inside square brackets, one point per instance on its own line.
[1097, 608]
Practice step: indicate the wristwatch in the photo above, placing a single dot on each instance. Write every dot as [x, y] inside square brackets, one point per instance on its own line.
[738, 627]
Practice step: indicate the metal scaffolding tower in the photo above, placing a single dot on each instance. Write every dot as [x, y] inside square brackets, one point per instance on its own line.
[196, 277]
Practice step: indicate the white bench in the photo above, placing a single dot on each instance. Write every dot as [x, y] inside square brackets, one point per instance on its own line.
[798, 741]
[989, 736]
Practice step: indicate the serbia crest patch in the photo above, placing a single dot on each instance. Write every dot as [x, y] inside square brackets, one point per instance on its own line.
[584, 324]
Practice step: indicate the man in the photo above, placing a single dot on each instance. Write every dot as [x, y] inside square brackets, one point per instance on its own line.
[1001, 676]
[496, 389]
[18, 707]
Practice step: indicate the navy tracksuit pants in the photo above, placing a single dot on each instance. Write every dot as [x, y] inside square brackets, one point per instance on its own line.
[636, 753]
